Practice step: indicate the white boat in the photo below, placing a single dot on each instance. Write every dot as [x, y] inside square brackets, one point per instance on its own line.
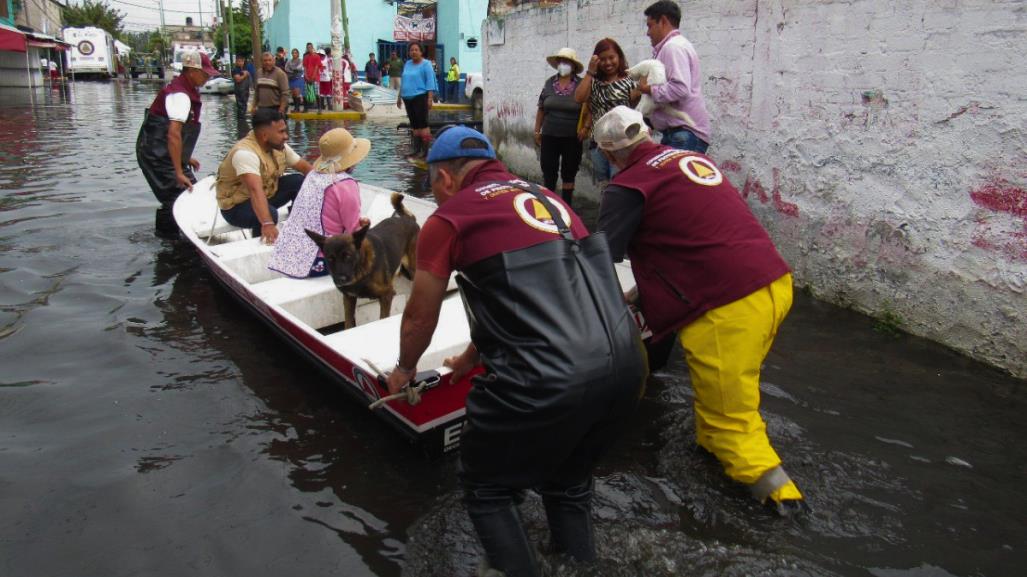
[308, 313]
[377, 101]
[218, 85]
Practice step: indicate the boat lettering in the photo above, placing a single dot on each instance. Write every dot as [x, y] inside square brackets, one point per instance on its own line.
[451, 437]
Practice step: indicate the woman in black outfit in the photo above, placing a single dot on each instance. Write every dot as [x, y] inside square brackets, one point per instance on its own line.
[557, 129]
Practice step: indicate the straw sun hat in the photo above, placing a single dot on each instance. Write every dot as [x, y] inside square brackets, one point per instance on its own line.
[340, 151]
[569, 55]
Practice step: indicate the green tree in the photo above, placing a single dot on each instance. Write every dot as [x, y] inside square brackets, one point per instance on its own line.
[94, 13]
[242, 32]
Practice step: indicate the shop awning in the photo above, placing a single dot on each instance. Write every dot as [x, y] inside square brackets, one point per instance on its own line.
[12, 39]
[44, 41]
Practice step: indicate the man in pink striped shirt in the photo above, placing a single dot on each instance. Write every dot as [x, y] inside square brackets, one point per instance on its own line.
[680, 114]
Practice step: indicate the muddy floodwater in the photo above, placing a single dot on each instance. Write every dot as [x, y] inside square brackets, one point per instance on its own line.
[150, 426]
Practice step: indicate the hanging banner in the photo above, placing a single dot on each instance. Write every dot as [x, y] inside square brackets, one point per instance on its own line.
[412, 28]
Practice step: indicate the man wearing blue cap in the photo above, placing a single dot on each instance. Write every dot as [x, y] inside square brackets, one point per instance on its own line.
[563, 371]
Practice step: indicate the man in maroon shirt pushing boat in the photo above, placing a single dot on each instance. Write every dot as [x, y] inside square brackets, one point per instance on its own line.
[707, 274]
[563, 370]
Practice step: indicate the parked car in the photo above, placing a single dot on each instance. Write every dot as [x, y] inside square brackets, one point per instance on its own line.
[474, 89]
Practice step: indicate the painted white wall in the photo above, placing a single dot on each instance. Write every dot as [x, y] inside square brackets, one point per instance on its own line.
[883, 144]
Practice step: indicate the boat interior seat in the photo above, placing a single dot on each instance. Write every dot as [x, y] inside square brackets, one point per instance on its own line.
[379, 343]
[247, 258]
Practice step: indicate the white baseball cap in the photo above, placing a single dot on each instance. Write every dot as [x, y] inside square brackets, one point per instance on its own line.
[619, 128]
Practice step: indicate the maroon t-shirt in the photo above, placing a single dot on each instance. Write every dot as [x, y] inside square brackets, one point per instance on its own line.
[698, 246]
[486, 217]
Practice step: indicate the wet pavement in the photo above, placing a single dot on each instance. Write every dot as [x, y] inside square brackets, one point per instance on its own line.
[150, 426]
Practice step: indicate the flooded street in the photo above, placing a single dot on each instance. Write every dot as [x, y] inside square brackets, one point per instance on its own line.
[149, 425]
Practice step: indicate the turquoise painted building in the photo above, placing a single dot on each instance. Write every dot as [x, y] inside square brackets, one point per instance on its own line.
[296, 22]
[7, 12]
[458, 30]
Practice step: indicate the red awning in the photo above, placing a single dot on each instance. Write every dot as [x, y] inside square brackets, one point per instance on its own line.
[38, 44]
[45, 41]
[12, 40]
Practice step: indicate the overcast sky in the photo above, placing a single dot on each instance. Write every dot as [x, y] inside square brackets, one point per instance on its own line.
[145, 14]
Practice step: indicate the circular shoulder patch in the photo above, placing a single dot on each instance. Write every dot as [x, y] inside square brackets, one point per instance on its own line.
[701, 171]
[535, 214]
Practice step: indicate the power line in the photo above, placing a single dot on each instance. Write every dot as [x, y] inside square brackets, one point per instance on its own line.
[156, 9]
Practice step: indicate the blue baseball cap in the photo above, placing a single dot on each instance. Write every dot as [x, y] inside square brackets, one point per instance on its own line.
[451, 142]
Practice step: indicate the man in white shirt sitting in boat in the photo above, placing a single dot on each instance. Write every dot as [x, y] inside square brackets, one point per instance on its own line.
[251, 180]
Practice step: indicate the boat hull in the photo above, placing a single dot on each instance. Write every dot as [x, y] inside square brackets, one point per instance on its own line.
[434, 425]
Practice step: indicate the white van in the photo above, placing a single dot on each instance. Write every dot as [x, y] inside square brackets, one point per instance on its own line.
[92, 52]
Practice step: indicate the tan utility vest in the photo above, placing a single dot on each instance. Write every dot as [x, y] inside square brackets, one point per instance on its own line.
[230, 188]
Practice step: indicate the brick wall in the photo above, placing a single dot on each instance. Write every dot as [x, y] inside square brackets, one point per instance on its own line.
[881, 143]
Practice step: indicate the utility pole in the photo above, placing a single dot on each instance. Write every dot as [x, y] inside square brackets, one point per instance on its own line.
[255, 25]
[338, 95]
[345, 27]
[199, 6]
[163, 34]
[226, 21]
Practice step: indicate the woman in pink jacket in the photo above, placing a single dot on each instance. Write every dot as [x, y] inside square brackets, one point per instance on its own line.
[327, 203]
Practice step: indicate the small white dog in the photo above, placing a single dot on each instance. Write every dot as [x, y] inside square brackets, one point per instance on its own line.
[655, 74]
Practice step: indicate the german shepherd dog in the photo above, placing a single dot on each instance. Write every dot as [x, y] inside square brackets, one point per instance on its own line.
[365, 263]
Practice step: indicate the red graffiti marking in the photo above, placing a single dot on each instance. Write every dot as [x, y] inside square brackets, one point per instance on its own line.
[788, 208]
[731, 165]
[754, 186]
[998, 195]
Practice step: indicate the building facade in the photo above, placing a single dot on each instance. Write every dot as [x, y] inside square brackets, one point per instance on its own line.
[296, 22]
[883, 150]
[371, 29]
[43, 16]
[459, 31]
[29, 34]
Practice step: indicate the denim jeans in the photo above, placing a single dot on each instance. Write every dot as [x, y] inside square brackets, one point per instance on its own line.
[242, 214]
[684, 140]
[602, 170]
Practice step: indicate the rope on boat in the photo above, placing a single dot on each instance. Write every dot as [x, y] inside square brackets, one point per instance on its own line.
[411, 394]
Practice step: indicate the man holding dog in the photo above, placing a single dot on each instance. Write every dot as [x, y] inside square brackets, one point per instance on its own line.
[251, 180]
[681, 110]
[170, 129]
[548, 381]
[707, 272]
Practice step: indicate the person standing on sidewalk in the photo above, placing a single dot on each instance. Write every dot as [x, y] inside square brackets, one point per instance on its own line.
[680, 114]
[312, 66]
[271, 90]
[557, 130]
[372, 71]
[171, 127]
[395, 71]
[452, 81]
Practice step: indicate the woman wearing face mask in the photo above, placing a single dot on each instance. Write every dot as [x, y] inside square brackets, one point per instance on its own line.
[556, 123]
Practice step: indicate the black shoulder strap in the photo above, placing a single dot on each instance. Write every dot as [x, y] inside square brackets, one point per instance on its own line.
[534, 189]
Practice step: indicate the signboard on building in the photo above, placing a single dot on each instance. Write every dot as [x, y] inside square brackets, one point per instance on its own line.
[416, 27]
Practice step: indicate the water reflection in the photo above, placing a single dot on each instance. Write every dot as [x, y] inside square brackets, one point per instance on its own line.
[146, 413]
